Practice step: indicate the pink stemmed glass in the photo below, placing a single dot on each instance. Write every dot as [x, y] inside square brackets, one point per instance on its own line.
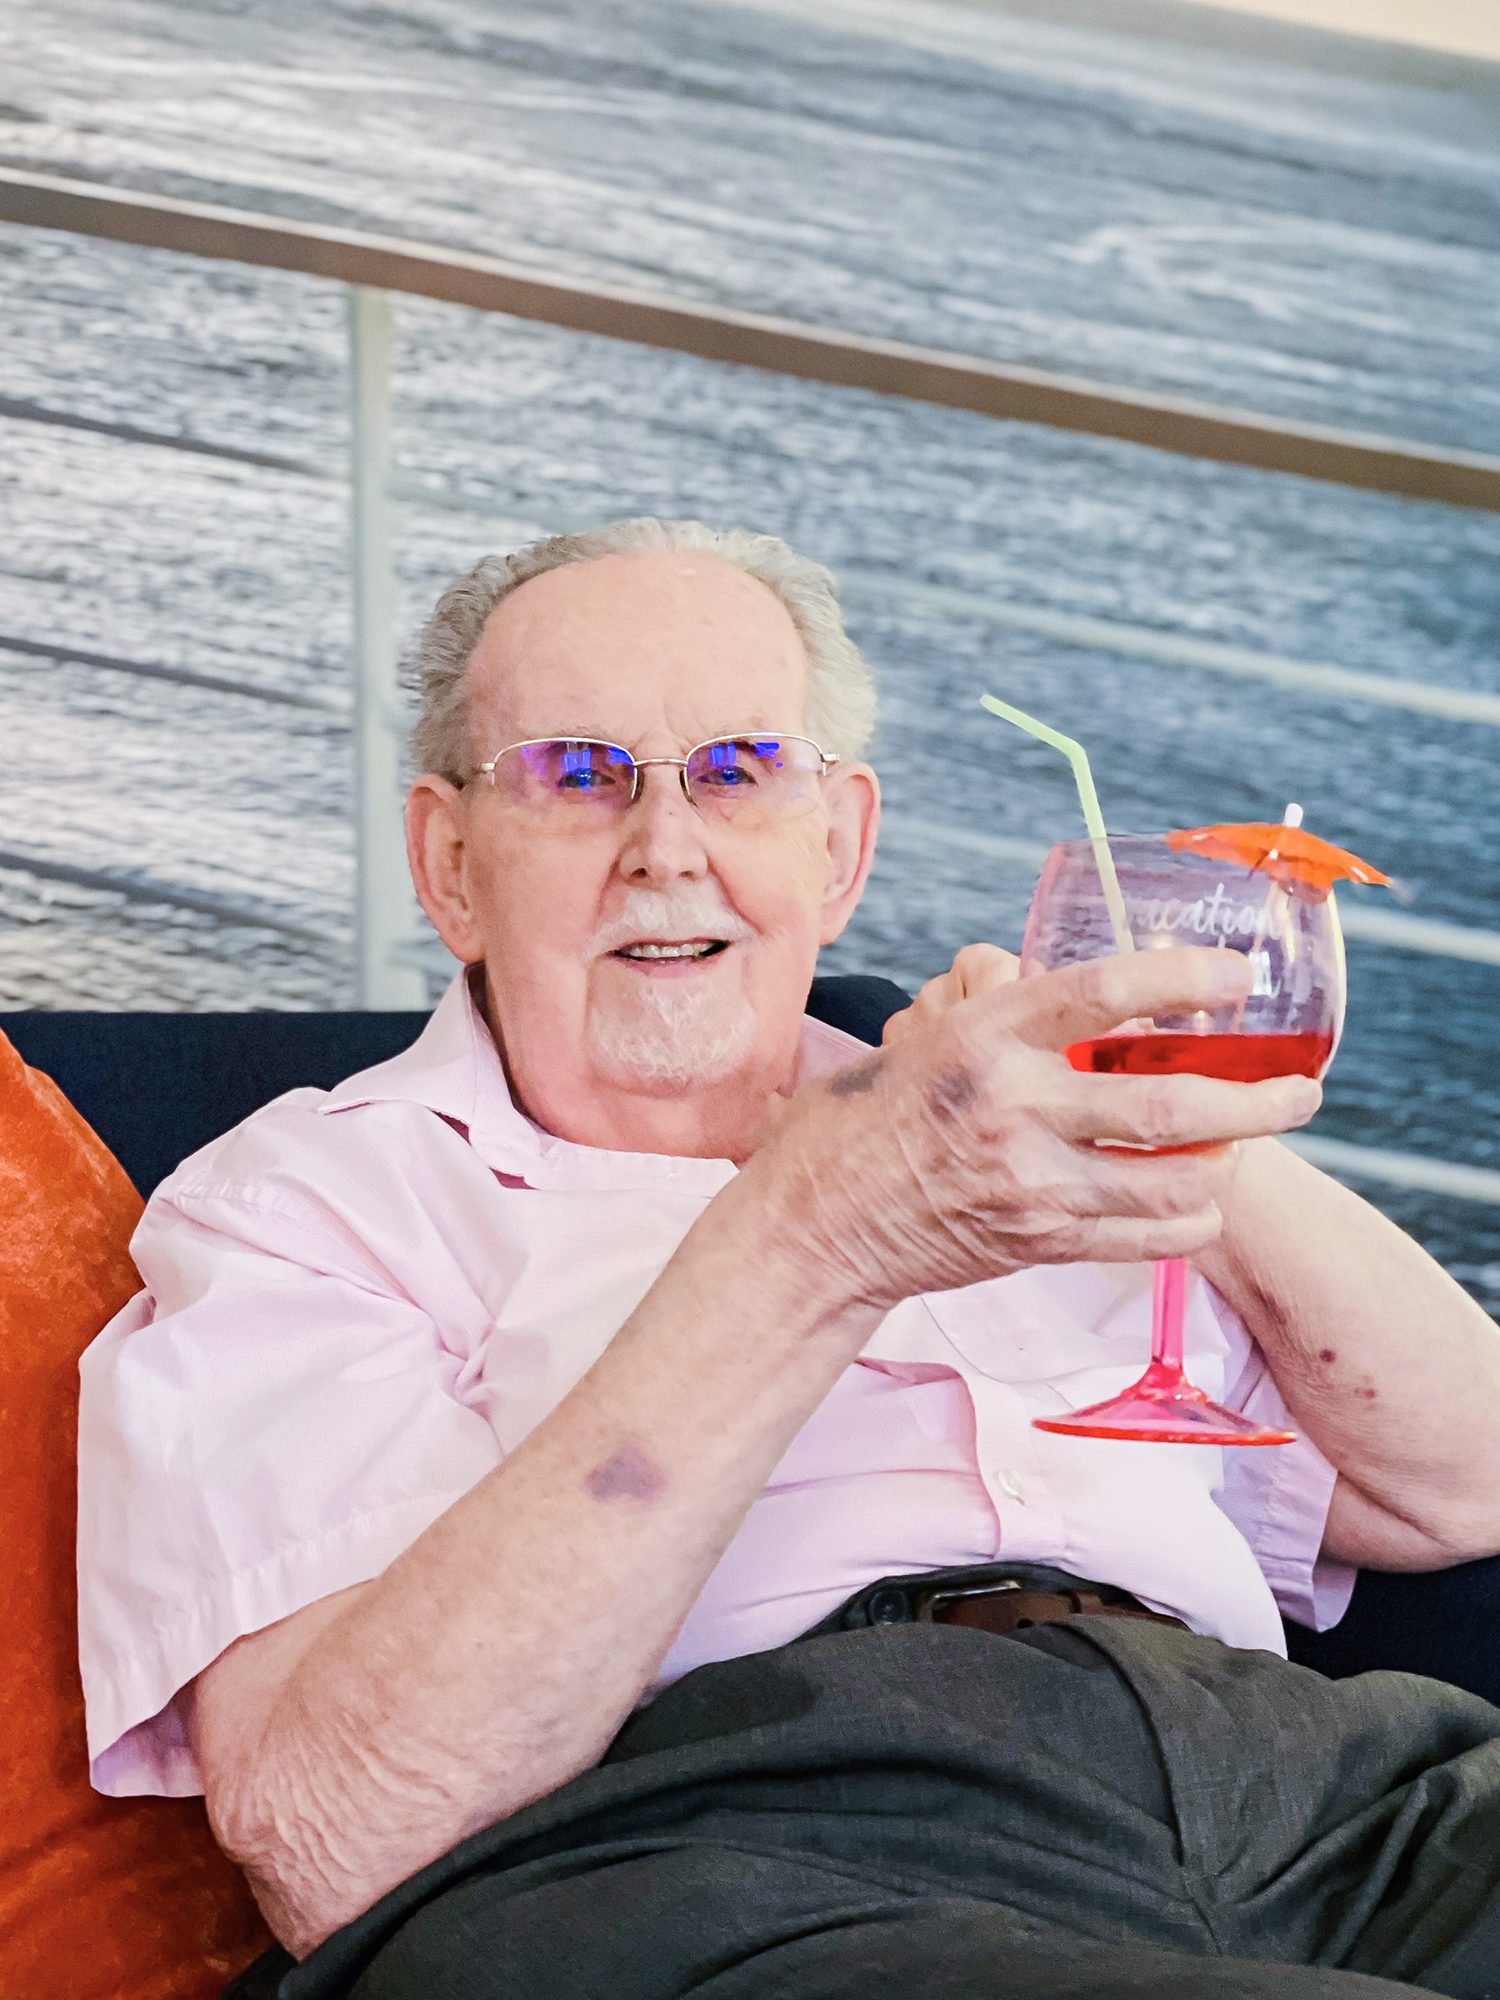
[1289, 1026]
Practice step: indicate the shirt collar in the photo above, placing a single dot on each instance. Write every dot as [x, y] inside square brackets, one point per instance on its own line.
[454, 1069]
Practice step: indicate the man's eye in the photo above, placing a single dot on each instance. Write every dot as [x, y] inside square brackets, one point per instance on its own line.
[736, 767]
[585, 772]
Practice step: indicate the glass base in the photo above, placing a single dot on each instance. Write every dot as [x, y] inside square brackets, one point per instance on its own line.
[1164, 1412]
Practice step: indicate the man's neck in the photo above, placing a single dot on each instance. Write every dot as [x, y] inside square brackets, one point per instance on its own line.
[721, 1121]
[726, 1122]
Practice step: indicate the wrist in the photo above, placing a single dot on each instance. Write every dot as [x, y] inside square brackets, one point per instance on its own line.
[1248, 1208]
[761, 1231]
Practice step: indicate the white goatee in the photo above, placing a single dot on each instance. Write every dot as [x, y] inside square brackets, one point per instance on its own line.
[670, 1033]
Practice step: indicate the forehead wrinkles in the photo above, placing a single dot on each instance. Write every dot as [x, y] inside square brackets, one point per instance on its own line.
[625, 656]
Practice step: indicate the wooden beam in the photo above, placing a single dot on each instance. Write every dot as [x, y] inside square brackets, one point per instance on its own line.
[753, 340]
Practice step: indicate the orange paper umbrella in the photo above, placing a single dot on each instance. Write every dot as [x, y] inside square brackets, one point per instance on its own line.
[1298, 860]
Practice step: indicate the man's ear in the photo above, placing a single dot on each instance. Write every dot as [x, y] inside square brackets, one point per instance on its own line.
[852, 801]
[437, 826]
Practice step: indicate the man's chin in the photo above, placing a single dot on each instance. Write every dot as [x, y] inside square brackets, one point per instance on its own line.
[670, 1042]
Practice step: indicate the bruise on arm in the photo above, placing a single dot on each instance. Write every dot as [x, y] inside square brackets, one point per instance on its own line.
[627, 1474]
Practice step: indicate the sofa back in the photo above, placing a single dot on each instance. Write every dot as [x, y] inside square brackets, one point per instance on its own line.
[156, 1087]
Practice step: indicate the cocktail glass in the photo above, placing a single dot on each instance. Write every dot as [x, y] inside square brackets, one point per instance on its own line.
[1178, 894]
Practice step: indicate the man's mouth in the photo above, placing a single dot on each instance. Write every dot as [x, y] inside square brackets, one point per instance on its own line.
[648, 950]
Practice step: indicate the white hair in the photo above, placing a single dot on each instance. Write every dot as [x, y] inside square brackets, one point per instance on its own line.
[840, 690]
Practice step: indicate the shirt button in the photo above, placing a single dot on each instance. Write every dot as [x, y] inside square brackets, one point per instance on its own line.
[1008, 1482]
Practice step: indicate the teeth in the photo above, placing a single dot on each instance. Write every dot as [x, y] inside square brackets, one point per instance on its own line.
[665, 950]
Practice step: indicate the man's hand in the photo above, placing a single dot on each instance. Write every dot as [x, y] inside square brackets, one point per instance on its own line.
[978, 968]
[968, 1147]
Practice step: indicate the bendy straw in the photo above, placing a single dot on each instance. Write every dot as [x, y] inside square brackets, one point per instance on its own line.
[1088, 798]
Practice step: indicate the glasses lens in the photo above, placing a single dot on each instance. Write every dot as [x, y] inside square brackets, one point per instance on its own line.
[568, 772]
[755, 778]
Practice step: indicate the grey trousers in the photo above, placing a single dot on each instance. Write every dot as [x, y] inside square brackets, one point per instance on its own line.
[1093, 1810]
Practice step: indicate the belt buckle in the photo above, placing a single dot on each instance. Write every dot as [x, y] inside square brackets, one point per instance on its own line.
[925, 1602]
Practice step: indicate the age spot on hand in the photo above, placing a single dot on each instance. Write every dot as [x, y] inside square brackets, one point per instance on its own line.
[627, 1474]
[1327, 1355]
[950, 1094]
[853, 1082]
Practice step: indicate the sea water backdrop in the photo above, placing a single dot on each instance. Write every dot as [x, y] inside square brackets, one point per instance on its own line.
[1279, 221]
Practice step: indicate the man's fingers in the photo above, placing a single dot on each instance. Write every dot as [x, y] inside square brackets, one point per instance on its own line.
[1116, 1240]
[980, 968]
[976, 969]
[1151, 1185]
[1173, 1111]
[1054, 1010]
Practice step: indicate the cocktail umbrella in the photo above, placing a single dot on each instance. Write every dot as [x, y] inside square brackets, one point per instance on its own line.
[1293, 857]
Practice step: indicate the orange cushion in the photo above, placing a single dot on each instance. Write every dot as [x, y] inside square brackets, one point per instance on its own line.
[100, 1899]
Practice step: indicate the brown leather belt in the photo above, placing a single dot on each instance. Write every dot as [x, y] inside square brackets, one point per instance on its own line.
[990, 1597]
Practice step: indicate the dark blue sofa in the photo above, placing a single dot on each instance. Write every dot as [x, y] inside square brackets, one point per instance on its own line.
[158, 1086]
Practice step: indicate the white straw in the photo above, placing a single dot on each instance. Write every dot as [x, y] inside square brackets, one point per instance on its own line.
[1088, 799]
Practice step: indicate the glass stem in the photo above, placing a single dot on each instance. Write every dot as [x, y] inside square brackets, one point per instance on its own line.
[1168, 1300]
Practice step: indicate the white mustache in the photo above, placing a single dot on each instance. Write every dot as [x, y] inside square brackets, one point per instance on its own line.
[651, 913]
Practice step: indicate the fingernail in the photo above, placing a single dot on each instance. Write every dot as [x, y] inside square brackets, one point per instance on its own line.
[1307, 1095]
[1231, 973]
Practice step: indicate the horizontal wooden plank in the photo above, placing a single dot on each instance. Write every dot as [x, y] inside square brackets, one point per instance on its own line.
[956, 381]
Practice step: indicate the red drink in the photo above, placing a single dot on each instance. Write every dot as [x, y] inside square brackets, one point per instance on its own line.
[1245, 1058]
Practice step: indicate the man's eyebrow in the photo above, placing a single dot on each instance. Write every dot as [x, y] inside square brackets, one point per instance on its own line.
[566, 735]
[562, 735]
[608, 736]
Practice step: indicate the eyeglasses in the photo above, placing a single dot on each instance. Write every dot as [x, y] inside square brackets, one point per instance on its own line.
[576, 781]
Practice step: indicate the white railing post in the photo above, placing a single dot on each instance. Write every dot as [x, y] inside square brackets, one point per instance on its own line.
[385, 907]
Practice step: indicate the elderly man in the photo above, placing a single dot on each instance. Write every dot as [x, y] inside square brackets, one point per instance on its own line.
[493, 1503]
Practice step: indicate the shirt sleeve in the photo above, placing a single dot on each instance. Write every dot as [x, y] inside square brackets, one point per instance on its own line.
[270, 1421]
[1278, 1497]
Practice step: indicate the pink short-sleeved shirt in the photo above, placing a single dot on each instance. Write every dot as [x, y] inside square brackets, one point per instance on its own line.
[359, 1302]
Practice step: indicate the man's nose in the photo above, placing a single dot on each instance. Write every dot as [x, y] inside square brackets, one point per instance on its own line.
[663, 831]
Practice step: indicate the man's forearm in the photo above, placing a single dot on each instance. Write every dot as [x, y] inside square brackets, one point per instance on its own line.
[498, 1656]
[1383, 1359]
